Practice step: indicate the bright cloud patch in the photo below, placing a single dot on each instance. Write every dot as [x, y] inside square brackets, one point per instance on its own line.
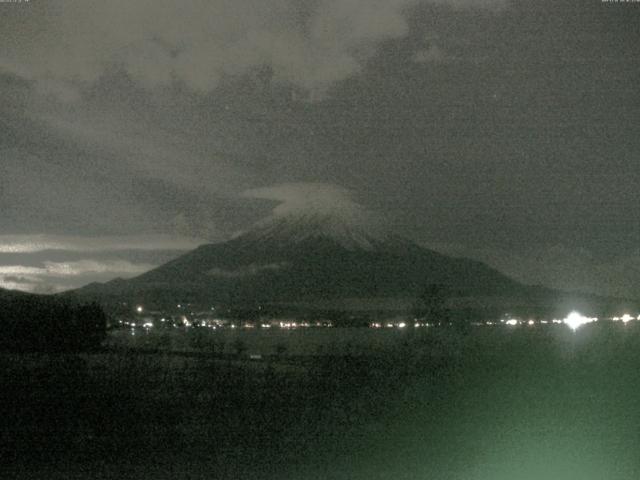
[39, 243]
[307, 44]
[51, 263]
[55, 276]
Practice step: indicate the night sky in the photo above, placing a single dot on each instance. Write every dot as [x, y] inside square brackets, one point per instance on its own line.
[132, 131]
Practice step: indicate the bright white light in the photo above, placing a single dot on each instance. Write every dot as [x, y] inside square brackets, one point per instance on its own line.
[147, 325]
[531, 322]
[402, 325]
[139, 309]
[512, 322]
[626, 318]
[575, 320]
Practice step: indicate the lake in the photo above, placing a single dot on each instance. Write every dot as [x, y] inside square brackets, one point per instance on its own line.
[490, 404]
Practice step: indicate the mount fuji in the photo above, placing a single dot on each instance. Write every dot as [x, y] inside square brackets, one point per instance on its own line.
[321, 261]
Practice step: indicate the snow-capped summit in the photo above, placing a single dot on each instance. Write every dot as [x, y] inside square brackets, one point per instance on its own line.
[351, 233]
[307, 211]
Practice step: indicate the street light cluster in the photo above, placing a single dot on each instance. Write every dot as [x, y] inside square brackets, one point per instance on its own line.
[573, 320]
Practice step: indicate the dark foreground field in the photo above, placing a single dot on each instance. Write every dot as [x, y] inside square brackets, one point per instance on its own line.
[491, 404]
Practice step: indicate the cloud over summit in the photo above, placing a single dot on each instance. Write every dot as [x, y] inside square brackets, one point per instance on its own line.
[310, 198]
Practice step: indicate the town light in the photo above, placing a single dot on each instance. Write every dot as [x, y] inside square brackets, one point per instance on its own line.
[575, 320]
[626, 318]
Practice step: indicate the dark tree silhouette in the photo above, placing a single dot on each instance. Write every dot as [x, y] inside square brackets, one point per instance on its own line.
[280, 350]
[431, 305]
[240, 347]
[42, 323]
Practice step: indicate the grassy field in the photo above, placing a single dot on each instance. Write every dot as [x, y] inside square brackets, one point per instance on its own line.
[490, 404]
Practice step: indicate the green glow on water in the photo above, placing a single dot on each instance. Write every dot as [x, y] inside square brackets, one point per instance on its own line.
[564, 408]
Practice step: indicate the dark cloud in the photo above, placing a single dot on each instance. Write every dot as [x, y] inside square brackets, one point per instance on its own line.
[311, 44]
[490, 128]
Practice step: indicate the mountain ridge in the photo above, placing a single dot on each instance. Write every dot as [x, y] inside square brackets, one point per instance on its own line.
[319, 260]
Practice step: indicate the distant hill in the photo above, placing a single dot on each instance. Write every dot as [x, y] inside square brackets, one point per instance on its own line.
[323, 262]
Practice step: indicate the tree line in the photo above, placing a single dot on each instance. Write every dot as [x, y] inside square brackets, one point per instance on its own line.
[35, 323]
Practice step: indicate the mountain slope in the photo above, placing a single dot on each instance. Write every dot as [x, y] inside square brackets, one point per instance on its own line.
[309, 257]
[320, 260]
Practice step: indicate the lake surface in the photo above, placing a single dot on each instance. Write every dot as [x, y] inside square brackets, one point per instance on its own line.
[492, 404]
